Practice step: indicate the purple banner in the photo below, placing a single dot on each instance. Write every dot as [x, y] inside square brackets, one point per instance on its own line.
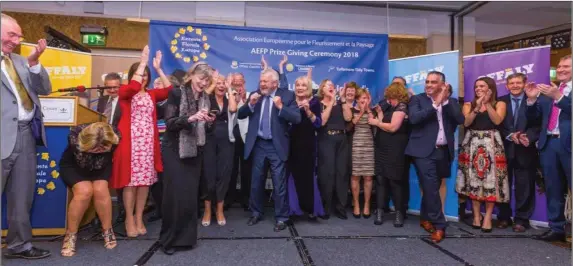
[534, 62]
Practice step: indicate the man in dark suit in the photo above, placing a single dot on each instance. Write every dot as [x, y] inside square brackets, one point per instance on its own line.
[521, 155]
[271, 111]
[108, 105]
[552, 104]
[434, 117]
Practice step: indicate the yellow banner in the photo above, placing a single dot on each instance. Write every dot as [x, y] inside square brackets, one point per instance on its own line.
[66, 68]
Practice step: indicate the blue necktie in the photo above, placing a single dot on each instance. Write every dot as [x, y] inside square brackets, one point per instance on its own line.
[265, 125]
[515, 110]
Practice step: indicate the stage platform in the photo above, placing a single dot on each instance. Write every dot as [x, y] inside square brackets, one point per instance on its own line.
[323, 242]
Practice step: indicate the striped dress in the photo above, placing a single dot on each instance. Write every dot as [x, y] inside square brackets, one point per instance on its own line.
[362, 147]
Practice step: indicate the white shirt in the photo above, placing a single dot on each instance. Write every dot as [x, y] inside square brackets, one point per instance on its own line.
[23, 115]
[441, 139]
[113, 106]
[566, 91]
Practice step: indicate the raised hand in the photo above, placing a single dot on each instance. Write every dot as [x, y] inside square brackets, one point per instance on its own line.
[34, 57]
[144, 55]
[309, 73]
[487, 97]
[551, 91]
[264, 62]
[531, 90]
[284, 61]
[278, 102]
[157, 60]
[342, 93]
[479, 102]
[254, 98]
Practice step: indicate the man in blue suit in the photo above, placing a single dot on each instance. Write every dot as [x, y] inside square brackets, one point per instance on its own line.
[270, 110]
[519, 136]
[434, 117]
[552, 104]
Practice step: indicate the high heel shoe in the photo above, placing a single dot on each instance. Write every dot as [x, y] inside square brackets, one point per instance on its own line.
[480, 224]
[366, 216]
[109, 239]
[69, 245]
[221, 222]
[486, 230]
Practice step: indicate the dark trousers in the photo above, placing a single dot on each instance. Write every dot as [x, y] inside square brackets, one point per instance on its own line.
[157, 193]
[556, 164]
[265, 151]
[217, 165]
[388, 188]
[430, 172]
[19, 185]
[333, 179]
[242, 167]
[405, 189]
[523, 179]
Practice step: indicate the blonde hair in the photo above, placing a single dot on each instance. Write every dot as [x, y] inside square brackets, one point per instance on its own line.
[199, 68]
[308, 82]
[361, 92]
[320, 93]
[396, 91]
[97, 134]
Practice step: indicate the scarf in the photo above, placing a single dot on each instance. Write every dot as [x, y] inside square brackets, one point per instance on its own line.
[189, 139]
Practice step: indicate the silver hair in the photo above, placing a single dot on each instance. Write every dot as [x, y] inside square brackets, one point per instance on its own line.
[6, 17]
[272, 72]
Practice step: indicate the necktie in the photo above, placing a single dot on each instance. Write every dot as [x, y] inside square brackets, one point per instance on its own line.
[265, 125]
[107, 111]
[22, 92]
[554, 117]
[515, 111]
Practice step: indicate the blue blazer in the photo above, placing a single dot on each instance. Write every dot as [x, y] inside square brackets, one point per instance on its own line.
[524, 125]
[280, 122]
[541, 110]
[425, 127]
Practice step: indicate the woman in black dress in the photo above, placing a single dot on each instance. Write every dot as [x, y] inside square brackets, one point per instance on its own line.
[186, 116]
[219, 151]
[302, 185]
[85, 166]
[333, 151]
[390, 144]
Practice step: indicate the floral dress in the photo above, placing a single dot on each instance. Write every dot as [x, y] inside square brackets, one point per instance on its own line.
[142, 163]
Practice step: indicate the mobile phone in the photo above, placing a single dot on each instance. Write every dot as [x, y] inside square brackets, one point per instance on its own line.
[214, 112]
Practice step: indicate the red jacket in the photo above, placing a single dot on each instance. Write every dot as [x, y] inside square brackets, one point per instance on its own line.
[121, 174]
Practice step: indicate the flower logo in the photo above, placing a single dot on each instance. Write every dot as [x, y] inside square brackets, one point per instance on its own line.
[189, 44]
[289, 67]
[46, 173]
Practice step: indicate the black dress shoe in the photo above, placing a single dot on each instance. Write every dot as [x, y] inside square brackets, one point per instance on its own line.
[30, 254]
[168, 250]
[379, 215]
[325, 217]
[341, 214]
[279, 226]
[311, 217]
[253, 220]
[551, 236]
[399, 220]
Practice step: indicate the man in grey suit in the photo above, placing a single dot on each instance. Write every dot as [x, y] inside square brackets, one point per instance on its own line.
[23, 79]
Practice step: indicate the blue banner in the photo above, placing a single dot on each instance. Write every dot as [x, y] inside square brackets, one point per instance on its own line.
[415, 70]
[51, 194]
[341, 57]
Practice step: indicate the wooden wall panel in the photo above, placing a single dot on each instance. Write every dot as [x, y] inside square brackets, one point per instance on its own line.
[122, 34]
[135, 35]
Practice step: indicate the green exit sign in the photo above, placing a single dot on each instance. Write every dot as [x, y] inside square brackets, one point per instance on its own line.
[93, 39]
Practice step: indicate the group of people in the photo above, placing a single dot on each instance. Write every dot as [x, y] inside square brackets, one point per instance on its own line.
[316, 146]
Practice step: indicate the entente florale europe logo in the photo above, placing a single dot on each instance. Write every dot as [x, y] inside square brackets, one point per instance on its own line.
[189, 45]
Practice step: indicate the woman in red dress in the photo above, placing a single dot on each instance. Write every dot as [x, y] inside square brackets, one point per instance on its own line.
[138, 156]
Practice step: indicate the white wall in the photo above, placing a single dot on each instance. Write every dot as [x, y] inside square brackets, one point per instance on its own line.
[291, 15]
